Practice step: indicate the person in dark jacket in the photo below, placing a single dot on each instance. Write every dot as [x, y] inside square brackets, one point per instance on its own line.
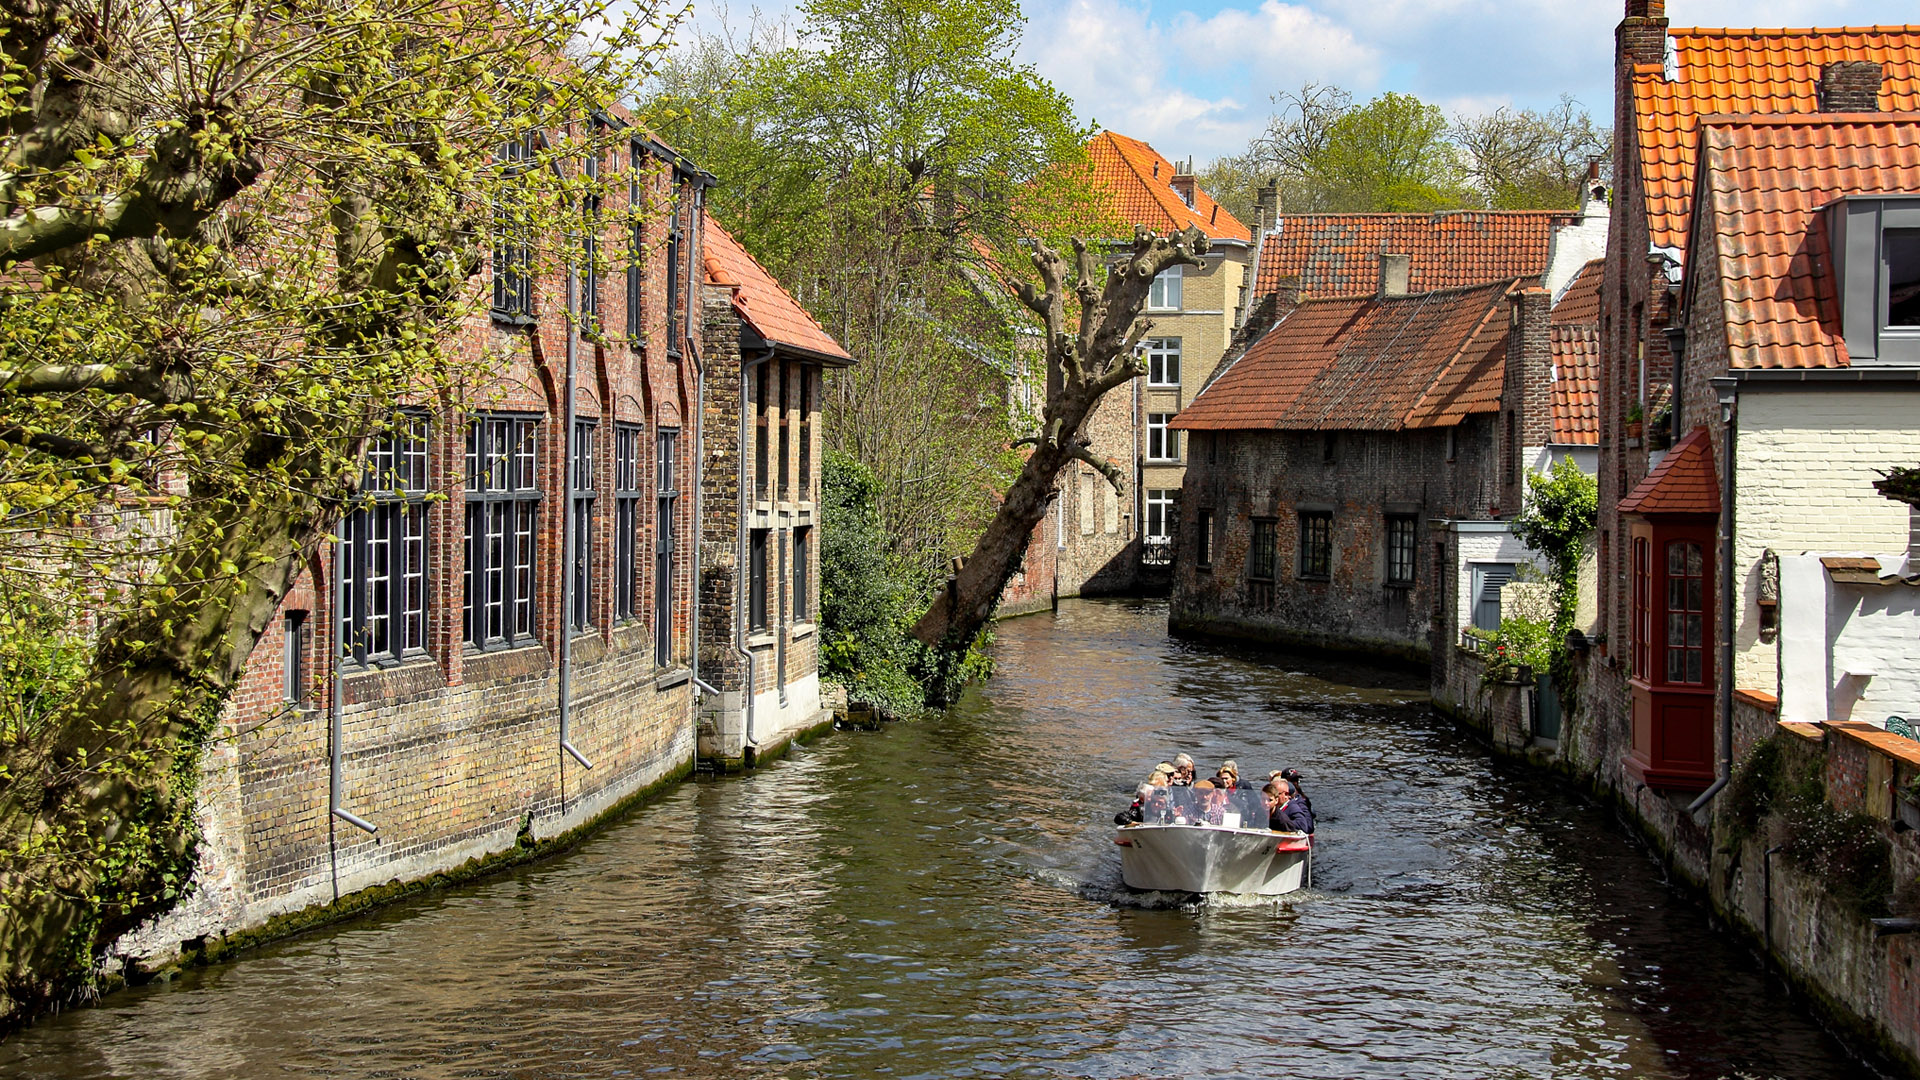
[1292, 777]
[1285, 812]
[1134, 814]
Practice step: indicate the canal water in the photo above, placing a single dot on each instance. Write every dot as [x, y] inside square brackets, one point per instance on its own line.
[943, 899]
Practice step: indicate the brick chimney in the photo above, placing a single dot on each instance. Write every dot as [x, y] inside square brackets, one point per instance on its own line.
[1183, 181]
[1395, 273]
[1270, 203]
[1642, 36]
[1526, 393]
[1849, 86]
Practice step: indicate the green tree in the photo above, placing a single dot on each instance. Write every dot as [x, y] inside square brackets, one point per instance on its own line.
[235, 237]
[1561, 508]
[885, 165]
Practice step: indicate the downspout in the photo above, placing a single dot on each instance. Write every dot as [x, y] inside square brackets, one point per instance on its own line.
[1729, 393]
[699, 431]
[339, 688]
[571, 328]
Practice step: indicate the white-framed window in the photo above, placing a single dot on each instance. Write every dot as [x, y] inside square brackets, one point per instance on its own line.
[1163, 361]
[1163, 443]
[1164, 293]
[1160, 510]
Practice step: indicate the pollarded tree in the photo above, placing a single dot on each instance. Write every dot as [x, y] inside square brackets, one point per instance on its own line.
[234, 238]
[1087, 356]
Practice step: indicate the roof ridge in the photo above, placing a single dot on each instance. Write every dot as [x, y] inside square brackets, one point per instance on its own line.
[1784, 31]
[1783, 119]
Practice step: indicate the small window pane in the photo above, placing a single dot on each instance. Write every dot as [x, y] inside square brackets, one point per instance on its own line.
[1903, 276]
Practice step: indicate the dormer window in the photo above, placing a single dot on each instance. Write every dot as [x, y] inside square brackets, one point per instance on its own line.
[1876, 270]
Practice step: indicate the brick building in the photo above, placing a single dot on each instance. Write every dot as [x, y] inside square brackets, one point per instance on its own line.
[502, 646]
[765, 358]
[1327, 455]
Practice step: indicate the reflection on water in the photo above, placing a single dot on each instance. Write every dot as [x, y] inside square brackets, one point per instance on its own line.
[943, 899]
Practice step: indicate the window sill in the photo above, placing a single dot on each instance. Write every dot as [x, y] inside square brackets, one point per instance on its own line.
[1401, 585]
[672, 677]
[1163, 386]
[800, 630]
[760, 639]
[1316, 578]
[514, 319]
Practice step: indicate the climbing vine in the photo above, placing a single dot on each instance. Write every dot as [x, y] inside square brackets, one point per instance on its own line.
[1561, 508]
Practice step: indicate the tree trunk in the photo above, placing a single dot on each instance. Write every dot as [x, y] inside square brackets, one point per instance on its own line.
[1082, 367]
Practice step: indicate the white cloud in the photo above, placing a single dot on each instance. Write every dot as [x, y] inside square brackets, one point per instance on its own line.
[1290, 37]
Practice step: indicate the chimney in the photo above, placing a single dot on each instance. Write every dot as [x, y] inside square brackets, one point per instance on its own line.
[1395, 270]
[1527, 389]
[1183, 181]
[1642, 35]
[1850, 86]
[1270, 202]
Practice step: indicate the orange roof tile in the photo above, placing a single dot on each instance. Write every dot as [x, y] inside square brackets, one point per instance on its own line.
[1580, 299]
[1767, 178]
[1366, 363]
[1339, 254]
[768, 308]
[1747, 71]
[1141, 183]
[1574, 397]
[1684, 482]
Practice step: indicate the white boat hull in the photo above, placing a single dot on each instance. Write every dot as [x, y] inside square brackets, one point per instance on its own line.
[1207, 858]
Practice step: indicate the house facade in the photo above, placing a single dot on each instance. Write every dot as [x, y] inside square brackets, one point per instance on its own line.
[760, 508]
[504, 642]
[1328, 458]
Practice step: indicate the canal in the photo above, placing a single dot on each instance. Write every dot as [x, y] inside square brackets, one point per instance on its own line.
[942, 899]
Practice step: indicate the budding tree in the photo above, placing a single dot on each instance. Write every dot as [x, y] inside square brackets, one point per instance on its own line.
[1086, 358]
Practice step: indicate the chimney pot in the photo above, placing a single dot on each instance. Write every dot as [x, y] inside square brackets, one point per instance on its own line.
[1395, 272]
[1850, 86]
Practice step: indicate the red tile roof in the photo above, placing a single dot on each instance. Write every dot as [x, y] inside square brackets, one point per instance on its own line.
[1684, 482]
[1141, 184]
[1365, 363]
[1580, 300]
[760, 300]
[1339, 254]
[1747, 71]
[1767, 178]
[1574, 397]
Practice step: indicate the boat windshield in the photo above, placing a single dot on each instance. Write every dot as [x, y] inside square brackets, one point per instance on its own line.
[1242, 809]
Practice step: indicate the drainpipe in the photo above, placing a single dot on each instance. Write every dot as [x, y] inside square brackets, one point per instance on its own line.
[699, 432]
[1729, 393]
[571, 328]
[339, 688]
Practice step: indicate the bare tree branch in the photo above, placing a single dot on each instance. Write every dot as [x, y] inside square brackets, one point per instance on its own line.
[1108, 469]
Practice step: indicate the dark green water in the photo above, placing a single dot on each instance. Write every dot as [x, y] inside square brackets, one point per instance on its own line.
[942, 899]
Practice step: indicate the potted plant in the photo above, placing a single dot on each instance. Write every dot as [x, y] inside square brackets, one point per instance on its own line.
[1636, 419]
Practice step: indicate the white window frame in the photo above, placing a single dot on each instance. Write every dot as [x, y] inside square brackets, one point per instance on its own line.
[1164, 293]
[1159, 352]
[1163, 443]
[1160, 504]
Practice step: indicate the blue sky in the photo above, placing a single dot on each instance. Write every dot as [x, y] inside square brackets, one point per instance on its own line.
[1196, 77]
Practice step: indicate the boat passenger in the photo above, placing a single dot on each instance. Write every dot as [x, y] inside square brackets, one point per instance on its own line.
[1228, 777]
[1182, 770]
[1284, 812]
[1292, 777]
[1159, 778]
[1132, 815]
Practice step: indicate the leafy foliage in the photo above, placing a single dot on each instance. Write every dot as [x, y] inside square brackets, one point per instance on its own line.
[1561, 509]
[1847, 853]
[235, 239]
[884, 162]
[1398, 153]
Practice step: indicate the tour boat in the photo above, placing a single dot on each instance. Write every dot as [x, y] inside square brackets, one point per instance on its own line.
[1204, 858]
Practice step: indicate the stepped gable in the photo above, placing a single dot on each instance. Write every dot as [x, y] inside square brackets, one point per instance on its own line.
[1767, 178]
[1363, 363]
[1141, 184]
[1339, 254]
[1721, 72]
[768, 308]
[1683, 483]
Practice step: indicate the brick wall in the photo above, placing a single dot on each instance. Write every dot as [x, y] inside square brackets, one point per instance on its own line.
[1240, 476]
[453, 750]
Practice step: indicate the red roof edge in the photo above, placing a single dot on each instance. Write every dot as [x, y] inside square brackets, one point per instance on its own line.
[1685, 481]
